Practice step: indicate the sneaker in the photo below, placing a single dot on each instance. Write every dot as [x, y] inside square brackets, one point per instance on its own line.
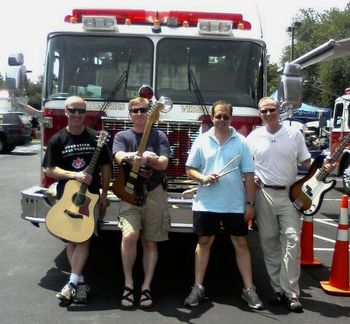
[294, 305]
[251, 297]
[67, 293]
[195, 297]
[278, 298]
[82, 292]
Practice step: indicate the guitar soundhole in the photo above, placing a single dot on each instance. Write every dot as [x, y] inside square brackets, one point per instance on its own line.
[79, 199]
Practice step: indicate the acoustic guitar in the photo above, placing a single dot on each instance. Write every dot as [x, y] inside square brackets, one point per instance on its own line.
[72, 217]
[130, 184]
[307, 193]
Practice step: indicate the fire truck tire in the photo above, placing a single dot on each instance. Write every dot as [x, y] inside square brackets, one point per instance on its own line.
[3, 145]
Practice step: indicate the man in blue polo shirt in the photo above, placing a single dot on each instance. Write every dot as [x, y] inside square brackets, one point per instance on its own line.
[219, 160]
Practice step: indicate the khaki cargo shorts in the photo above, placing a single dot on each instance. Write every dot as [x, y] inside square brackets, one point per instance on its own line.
[152, 218]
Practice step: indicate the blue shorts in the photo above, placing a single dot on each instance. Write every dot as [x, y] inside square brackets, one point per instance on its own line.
[209, 223]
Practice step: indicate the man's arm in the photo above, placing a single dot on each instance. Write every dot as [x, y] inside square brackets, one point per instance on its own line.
[58, 173]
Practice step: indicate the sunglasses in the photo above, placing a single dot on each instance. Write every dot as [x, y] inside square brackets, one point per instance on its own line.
[270, 110]
[224, 117]
[141, 110]
[74, 110]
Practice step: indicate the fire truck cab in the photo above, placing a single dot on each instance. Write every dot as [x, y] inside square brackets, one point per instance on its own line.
[193, 58]
[340, 137]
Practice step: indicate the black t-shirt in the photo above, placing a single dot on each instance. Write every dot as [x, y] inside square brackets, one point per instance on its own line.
[74, 153]
[129, 141]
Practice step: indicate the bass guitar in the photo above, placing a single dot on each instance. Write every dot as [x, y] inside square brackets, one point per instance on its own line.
[72, 217]
[307, 193]
[130, 184]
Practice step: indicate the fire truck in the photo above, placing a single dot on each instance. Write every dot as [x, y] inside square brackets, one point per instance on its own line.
[193, 58]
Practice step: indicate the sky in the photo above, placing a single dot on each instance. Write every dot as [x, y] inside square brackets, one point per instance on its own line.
[25, 24]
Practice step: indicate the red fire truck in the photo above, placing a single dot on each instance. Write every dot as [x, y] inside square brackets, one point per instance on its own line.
[193, 58]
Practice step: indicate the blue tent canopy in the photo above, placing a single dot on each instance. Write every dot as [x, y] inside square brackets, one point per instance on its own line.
[307, 112]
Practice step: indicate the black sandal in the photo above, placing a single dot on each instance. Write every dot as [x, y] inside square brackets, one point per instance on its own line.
[128, 295]
[146, 296]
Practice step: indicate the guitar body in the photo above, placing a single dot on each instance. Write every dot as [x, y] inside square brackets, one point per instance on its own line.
[130, 186]
[72, 217]
[307, 193]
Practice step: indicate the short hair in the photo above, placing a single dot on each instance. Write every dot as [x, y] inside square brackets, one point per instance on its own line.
[138, 101]
[221, 103]
[73, 99]
[268, 99]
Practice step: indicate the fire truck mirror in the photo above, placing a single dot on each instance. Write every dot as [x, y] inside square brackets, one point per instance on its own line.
[290, 86]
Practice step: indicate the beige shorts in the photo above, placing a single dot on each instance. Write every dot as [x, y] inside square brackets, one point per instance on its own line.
[152, 218]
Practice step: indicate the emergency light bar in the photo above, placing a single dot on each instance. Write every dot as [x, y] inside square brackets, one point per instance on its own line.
[171, 18]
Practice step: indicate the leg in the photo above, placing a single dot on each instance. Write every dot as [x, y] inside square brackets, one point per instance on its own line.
[243, 259]
[202, 254]
[149, 261]
[128, 252]
[269, 235]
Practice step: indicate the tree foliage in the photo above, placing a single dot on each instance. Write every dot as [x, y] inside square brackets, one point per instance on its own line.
[325, 80]
[34, 93]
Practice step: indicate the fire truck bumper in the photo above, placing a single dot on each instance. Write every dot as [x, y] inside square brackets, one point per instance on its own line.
[36, 202]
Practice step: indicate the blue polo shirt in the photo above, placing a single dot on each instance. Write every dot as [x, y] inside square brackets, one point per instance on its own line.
[208, 156]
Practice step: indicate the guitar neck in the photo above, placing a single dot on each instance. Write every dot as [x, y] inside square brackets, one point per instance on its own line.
[334, 157]
[142, 147]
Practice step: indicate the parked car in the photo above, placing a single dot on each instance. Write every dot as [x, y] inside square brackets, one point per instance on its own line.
[14, 130]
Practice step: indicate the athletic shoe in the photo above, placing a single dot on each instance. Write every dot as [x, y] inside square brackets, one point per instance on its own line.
[278, 298]
[67, 293]
[195, 297]
[251, 297]
[294, 305]
[82, 293]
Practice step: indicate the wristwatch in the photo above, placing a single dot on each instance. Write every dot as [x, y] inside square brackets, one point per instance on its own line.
[251, 203]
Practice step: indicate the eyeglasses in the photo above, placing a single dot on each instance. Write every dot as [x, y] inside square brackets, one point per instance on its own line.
[74, 110]
[270, 110]
[141, 110]
[224, 117]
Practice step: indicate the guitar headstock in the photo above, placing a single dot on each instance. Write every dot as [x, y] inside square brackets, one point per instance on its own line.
[102, 138]
[163, 104]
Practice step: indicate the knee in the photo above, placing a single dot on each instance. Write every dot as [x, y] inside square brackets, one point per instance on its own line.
[130, 238]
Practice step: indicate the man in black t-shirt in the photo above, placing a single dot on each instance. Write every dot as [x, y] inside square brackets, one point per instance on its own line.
[68, 155]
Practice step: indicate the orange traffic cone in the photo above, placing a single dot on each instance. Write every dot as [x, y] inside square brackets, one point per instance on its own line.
[307, 243]
[339, 278]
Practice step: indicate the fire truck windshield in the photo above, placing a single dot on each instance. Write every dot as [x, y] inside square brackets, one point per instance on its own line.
[114, 68]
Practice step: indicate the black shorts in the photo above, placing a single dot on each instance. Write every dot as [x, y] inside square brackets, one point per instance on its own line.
[209, 223]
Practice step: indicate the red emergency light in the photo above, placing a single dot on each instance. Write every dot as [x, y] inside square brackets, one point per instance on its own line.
[142, 17]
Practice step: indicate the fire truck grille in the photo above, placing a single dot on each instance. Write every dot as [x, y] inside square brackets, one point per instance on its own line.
[180, 135]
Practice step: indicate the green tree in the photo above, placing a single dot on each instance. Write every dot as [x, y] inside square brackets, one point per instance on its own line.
[34, 93]
[328, 79]
[272, 78]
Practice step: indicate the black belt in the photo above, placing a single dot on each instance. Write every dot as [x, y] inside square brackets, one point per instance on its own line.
[275, 187]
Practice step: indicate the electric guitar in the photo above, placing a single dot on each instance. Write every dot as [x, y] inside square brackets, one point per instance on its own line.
[72, 217]
[130, 184]
[307, 193]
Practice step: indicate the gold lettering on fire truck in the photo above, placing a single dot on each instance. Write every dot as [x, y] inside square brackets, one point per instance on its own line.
[111, 106]
[191, 109]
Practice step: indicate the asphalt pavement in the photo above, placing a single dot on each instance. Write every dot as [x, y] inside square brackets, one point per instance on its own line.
[34, 268]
